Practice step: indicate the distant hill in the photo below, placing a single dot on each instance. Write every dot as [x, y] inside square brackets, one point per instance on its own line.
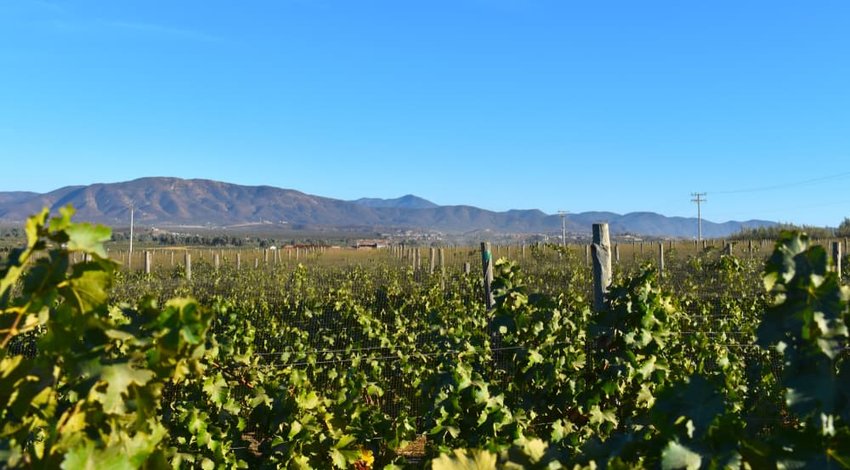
[161, 201]
[16, 196]
[407, 202]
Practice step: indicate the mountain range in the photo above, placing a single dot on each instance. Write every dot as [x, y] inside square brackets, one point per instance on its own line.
[163, 201]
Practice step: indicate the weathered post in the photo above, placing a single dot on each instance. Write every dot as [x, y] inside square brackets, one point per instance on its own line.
[216, 261]
[660, 259]
[728, 249]
[601, 250]
[238, 261]
[187, 260]
[466, 268]
[433, 260]
[836, 257]
[617, 252]
[147, 262]
[256, 263]
[265, 256]
[442, 262]
[172, 258]
[487, 265]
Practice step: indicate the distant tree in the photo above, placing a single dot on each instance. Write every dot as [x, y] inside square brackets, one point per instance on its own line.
[773, 232]
[843, 228]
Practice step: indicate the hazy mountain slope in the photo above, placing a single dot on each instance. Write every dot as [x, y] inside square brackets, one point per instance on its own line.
[16, 196]
[174, 201]
[406, 202]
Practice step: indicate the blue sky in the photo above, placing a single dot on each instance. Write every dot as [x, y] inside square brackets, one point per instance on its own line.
[576, 105]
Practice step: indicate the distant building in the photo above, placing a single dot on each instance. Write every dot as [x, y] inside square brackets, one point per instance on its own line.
[370, 244]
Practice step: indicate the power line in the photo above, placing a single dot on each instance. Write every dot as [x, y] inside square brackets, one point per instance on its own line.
[785, 185]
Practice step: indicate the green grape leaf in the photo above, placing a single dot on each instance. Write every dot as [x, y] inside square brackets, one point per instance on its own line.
[88, 238]
[676, 456]
[119, 378]
[90, 288]
[88, 457]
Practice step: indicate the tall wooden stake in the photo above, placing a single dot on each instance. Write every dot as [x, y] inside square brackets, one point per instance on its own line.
[601, 251]
[487, 265]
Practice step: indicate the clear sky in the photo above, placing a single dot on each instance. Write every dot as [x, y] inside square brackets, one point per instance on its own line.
[575, 105]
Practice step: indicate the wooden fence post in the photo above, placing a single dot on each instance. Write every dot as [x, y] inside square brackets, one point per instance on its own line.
[601, 250]
[433, 260]
[487, 265]
[238, 261]
[836, 257]
[617, 252]
[187, 259]
[216, 261]
[147, 262]
[466, 268]
[728, 249]
[660, 259]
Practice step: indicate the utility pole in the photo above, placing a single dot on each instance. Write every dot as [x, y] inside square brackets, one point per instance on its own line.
[563, 215]
[699, 198]
[130, 255]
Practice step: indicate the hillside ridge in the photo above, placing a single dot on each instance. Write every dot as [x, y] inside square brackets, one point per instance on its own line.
[169, 201]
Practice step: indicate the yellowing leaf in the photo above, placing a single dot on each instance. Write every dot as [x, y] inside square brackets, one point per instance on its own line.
[465, 460]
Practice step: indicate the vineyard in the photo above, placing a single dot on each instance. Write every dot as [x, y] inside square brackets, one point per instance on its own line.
[724, 357]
